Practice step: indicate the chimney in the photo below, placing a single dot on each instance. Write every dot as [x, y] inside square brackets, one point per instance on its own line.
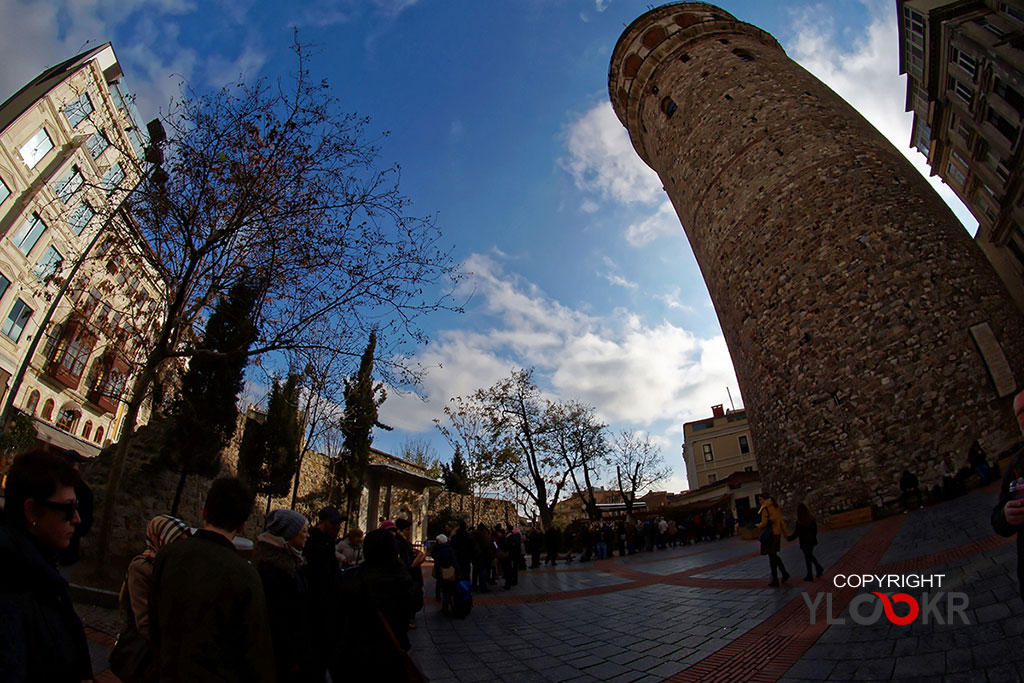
[718, 411]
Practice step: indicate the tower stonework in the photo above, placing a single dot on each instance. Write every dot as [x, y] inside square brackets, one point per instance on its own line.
[846, 289]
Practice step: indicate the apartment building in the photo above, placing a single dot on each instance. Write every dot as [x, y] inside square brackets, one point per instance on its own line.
[965, 85]
[717, 446]
[70, 150]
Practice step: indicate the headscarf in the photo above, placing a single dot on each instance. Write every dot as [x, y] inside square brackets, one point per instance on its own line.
[161, 530]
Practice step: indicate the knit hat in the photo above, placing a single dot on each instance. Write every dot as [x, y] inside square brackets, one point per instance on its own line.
[285, 523]
[164, 529]
[441, 538]
[387, 524]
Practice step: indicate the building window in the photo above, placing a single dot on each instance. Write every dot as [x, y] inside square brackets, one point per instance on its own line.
[97, 144]
[995, 162]
[1005, 128]
[76, 353]
[748, 468]
[48, 265]
[80, 218]
[964, 61]
[99, 435]
[15, 323]
[33, 151]
[87, 429]
[112, 178]
[957, 124]
[4, 192]
[67, 419]
[963, 91]
[47, 409]
[26, 236]
[69, 184]
[1009, 95]
[4, 284]
[709, 455]
[956, 174]
[744, 445]
[990, 27]
[1012, 11]
[923, 138]
[712, 478]
[913, 21]
[78, 110]
[32, 403]
[668, 106]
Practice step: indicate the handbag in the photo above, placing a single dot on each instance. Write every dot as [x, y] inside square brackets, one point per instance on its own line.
[766, 534]
[448, 573]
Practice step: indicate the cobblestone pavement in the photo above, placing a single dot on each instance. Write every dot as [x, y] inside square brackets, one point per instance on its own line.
[704, 612]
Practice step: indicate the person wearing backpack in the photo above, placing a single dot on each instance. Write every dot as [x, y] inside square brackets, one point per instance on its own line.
[446, 570]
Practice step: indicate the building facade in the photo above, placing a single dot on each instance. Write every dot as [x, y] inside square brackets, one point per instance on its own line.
[965, 86]
[70, 150]
[717, 446]
[868, 332]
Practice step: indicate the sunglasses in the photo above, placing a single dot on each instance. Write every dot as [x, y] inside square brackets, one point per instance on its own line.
[69, 509]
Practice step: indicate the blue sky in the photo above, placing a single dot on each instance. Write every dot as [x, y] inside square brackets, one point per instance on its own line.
[498, 113]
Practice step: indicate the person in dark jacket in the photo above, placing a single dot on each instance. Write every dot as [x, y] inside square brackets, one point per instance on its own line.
[462, 544]
[536, 542]
[207, 615]
[807, 531]
[514, 548]
[380, 601]
[446, 570]
[411, 558]
[70, 555]
[482, 556]
[277, 556]
[552, 539]
[41, 638]
[1008, 513]
[323, 573]
[909, 486]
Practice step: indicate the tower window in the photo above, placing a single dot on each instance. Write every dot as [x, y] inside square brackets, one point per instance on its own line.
[668, 106]
[744, 55]
[723, 41]
[684, 57]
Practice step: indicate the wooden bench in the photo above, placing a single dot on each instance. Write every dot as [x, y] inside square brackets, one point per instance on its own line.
[849, 518]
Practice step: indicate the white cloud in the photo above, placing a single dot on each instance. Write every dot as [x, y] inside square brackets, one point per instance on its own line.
[613, 275]
[601, 5]
[601, 159]
[674, 301]
[867, 77]
[635, 374]
[645, 231]
[394, 7]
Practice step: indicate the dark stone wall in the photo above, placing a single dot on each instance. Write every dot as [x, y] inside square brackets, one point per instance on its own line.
[845, 287]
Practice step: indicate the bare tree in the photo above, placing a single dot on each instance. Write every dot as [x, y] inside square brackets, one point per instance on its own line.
[271, 180]
[638, 466]
[579, 437]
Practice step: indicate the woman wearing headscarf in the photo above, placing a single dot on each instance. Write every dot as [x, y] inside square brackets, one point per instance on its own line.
[132, 660]
[41, 637]
[277, 557]
[773, 527]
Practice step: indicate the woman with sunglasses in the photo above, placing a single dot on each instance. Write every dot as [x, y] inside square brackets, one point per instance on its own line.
[41, 637]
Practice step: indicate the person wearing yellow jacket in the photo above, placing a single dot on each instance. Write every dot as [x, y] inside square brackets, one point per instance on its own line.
[773, 527]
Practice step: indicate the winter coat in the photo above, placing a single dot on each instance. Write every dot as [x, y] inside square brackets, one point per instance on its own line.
[207, 614]
[807, 533]
[371, 592]
[41, 637]
[286, 592]
[444, 557]
[999, 523]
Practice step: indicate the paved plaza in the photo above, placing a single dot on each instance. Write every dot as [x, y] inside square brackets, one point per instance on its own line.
[704, 612]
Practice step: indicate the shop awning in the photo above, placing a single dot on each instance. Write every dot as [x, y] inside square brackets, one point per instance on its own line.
[49, 434]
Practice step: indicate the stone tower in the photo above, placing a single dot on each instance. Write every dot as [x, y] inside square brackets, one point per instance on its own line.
[868, 332]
